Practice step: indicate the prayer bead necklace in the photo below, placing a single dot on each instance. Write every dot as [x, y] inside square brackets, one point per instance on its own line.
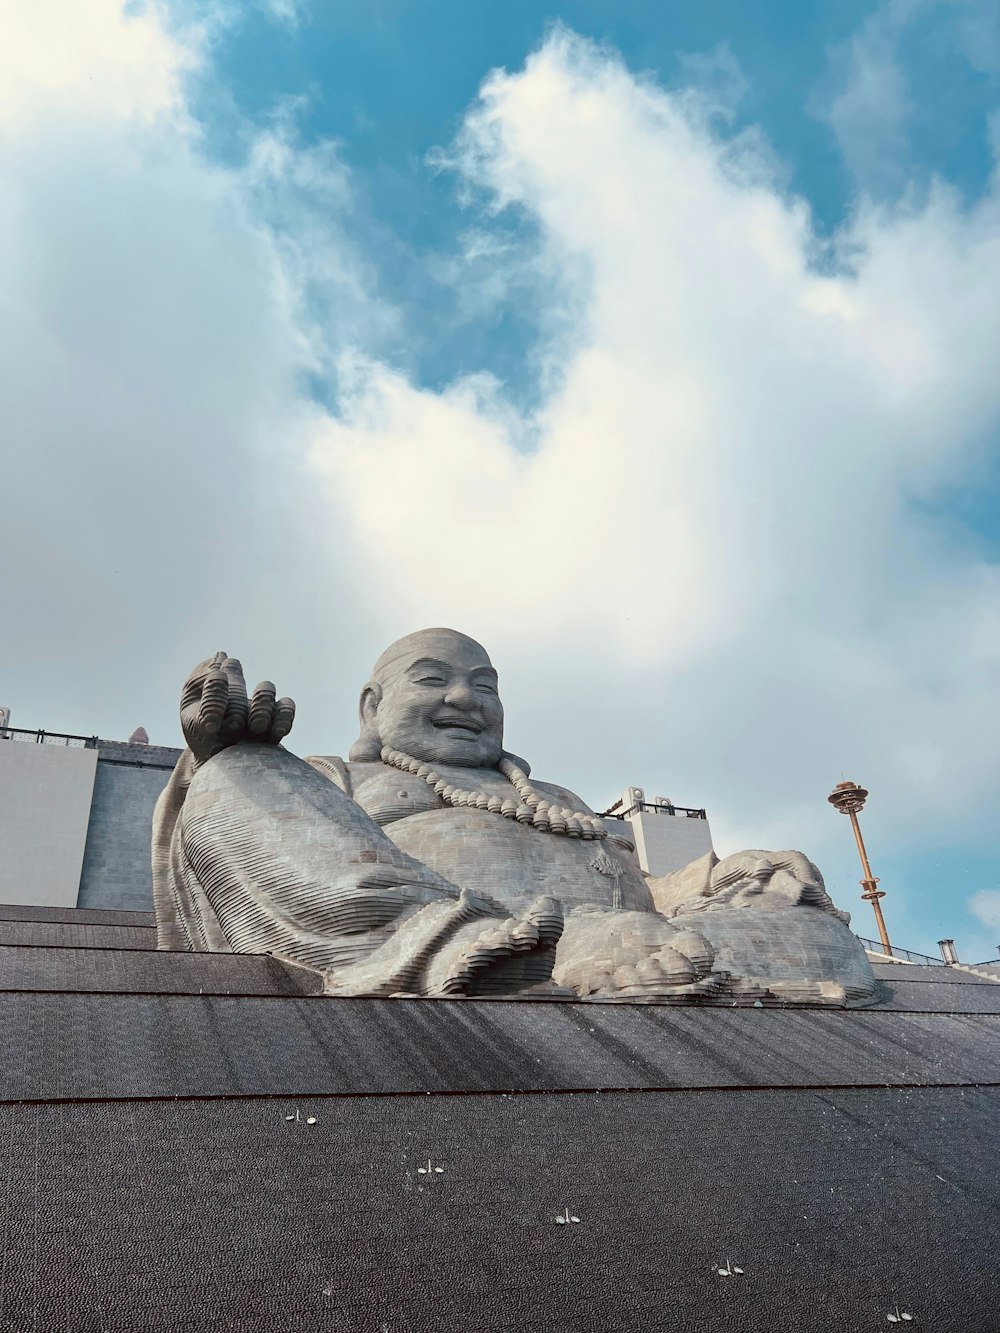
[531, 809]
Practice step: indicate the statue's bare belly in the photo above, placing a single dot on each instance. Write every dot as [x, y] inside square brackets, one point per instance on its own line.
[515, 863]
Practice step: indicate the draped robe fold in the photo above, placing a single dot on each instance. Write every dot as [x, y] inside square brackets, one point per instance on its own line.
[257, 851]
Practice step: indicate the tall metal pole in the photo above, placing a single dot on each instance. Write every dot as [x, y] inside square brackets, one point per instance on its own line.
[849, 799]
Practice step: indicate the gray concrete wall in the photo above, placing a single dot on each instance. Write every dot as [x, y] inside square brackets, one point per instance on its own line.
[45, 796]
[116, 867]
[666, 842]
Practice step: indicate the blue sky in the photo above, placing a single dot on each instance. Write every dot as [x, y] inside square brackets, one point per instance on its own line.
[654, 345]
[390, 83]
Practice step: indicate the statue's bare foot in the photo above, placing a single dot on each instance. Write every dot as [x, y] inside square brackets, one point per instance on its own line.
[678, 971]
[504, 957]
[635, 956]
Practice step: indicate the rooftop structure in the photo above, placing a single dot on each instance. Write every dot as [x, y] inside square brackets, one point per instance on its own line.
[75, 818]
[667, 837]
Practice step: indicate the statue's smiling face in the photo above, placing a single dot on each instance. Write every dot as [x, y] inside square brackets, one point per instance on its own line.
[442, 706]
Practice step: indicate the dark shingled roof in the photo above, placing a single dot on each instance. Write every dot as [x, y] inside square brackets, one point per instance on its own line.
[159, 1171]
[937, 974]
[77, 935]
[87, 1045]
[138, 971]
[939, 997]
[95, 917]
[839, 1207]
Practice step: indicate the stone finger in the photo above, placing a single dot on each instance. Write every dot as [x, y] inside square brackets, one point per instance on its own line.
[696, 947]
[546, 915]
[195, 683]
[284, 716]
[238, 707]
[676, 969]
[214, 697]
[262, 708]
[524, 935]
[626, 976]
[649, 968]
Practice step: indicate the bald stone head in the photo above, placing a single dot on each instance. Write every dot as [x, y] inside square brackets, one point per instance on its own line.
[434, 696]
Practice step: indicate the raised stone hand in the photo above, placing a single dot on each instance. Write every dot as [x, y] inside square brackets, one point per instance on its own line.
[767, 880]
[772, 879]
[216, 711]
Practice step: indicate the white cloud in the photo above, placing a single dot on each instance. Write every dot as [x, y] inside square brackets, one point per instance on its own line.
[985, 907]
[284, 11]
[709, 524]
[89, 59]
[156, 334]
[977, 34]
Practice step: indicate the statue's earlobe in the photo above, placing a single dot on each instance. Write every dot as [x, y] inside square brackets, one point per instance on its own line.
[521, 763]
[368, 746]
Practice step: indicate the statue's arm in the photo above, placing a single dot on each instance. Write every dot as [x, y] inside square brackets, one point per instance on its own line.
[166, 813]
[216, 713]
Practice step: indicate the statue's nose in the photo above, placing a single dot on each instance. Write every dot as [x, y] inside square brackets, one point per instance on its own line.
[460, 695]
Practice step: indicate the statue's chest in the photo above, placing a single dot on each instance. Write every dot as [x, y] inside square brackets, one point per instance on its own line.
[390, 795]
[515, 863]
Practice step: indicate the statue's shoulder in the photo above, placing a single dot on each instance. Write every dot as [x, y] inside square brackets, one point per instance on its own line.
[334, 768]
[561, 796]
[352, 777]
[387, 794]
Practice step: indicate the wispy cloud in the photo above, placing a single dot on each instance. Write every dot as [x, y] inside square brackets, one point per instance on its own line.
[870, 108]
[881, 84]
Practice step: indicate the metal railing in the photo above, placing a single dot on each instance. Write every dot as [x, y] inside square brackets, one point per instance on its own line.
[907, 955]
[47, 738]
[684, 811]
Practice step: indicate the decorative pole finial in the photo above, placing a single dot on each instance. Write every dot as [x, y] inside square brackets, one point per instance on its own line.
[849, 799]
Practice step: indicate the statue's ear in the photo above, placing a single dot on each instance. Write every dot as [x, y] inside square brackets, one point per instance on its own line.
[368, 746]
[521, 763]
[371, 697]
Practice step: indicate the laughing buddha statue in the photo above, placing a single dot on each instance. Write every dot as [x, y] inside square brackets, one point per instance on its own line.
[432, 863]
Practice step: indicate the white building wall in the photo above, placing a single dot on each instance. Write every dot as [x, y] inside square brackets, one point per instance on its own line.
[117, 872]
[665, 842]
[45, 795]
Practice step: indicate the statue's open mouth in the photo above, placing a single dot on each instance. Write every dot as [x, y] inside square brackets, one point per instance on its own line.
[457, 724]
